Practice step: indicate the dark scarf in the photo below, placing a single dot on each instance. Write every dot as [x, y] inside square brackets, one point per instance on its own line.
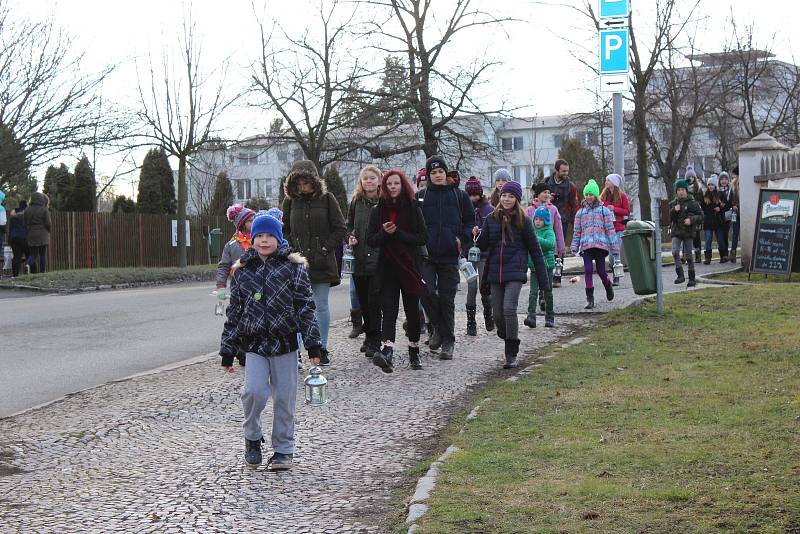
[400, 255]
[507, 221]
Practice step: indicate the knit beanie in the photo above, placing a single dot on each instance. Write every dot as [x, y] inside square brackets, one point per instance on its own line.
[690, 171]
[514, 188]
[591, 188]
[713, 180]
[422, 176]
[502, 175]
[615, 179]
[542, 213]
[539, 188]
[435, 162]
[267, 224]
[274, 212]
[473, 186]
[681, 184]
[238, 215]
[724, 176]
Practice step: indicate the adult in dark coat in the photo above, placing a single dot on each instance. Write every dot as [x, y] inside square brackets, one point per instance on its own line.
[18, 236]
[449, 218]
[397, 229]
[313, 224]
[37, 220]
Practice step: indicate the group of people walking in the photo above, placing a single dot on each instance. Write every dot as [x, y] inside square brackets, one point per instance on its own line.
[408, 245]
[26, 229]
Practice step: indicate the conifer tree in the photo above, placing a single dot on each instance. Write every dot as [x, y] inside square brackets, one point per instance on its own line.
[335, 185]
[83, 193]
[156, 186]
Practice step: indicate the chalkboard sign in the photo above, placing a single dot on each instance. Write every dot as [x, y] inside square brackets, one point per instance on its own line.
[776, 223]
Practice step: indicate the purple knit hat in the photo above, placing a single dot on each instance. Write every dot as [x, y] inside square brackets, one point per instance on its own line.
[514, 188]
[473, 186]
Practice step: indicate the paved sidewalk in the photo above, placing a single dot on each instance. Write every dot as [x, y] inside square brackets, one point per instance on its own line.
[163, 453]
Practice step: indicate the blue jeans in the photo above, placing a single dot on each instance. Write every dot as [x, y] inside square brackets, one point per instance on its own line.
[722, 241]
[354, 303]
[320, 294]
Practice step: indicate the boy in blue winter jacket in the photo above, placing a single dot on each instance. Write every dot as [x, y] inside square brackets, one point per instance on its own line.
[270, 304]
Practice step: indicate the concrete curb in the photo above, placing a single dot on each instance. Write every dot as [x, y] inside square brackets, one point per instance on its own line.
[101, 287]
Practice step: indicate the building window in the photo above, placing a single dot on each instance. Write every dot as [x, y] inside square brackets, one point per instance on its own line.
[587, 138]
[283, 154]
[261, 188]
[298, 154]
[521, 174]
[231, 159]
[241, 189]
[507, 144]
[263, 157]
[557, 140]
[245, 158]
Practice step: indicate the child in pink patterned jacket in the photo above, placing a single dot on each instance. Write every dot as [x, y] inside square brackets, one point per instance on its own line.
[594, 239]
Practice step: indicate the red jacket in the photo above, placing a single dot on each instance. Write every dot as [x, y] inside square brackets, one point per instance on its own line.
[621, 210]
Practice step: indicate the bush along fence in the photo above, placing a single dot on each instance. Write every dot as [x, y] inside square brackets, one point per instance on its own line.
[84, 240]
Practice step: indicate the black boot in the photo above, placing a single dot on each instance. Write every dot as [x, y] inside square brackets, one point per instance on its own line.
[383, 359]
[435, 339]
[373, 344]
[472, 326]
[589, 299]
[357, 319]
[692, 281]
[697, 255]
[679, 271]
[324, 358]
[530, 320]
[413, 358]
[549, 321]
[707, 260]
[487, 313]
[252, 452]
[609, 290]
[512, 349]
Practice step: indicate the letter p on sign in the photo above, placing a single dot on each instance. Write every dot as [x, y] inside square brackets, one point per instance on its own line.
[614, 51]
[613, 43]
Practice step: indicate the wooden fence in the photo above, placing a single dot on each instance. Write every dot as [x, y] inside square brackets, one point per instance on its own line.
[83, 240]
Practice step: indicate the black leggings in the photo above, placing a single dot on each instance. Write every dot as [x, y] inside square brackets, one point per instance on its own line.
[38, 259]
[19, 246]
[390, 307]
[370, 305]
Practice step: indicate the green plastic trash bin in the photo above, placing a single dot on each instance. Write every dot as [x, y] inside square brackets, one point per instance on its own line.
[639, 244]
[214, 244]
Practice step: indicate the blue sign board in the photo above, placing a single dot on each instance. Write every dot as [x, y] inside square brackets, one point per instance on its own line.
[613, 51]
[614, 9]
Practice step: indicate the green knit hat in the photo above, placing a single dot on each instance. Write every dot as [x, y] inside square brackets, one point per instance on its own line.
[591, 188]
[681, 184]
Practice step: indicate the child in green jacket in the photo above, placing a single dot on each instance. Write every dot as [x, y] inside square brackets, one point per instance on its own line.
[547, 242]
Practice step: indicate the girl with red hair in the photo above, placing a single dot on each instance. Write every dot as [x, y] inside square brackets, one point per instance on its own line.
[397, 229]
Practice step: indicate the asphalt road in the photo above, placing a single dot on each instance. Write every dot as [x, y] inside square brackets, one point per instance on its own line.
[52, 345]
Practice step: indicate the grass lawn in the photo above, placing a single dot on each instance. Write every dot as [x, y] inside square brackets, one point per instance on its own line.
[80, 278]
[756, 278]
[684, 423]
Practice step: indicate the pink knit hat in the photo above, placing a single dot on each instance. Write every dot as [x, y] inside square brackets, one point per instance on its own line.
[238, 215]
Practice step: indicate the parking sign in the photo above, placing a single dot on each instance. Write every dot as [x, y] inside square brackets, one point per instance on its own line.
[614, 51]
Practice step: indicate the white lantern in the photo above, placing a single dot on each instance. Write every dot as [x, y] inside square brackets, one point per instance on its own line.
[619, 270]
[467, 270]
[348, 262]
[474, 254]
[316, 387]
[559, 268]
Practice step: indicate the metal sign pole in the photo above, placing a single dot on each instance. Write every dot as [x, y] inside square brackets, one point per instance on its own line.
[619, 144]
[659, 278]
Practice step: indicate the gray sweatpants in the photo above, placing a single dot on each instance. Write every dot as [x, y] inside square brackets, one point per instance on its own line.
[683, 244]
[275, 376]
[505, 298]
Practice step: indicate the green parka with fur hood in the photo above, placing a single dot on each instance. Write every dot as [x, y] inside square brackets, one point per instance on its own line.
[313, 223]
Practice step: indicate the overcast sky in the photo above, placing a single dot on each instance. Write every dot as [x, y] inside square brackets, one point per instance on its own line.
[538, 73]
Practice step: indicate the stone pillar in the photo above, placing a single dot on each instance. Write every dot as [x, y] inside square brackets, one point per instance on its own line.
[750, 157]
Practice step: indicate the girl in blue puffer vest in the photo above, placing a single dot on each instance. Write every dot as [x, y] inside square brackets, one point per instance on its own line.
[507, 235]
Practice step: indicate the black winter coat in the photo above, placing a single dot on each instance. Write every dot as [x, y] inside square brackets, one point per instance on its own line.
[712, 220]
[508, 261]
[358, 219]
[377, 238]
[449, 215]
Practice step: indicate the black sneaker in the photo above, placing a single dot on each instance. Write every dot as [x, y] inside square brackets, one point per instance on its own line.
[413, 358]
[549, 321]
[280, 462]
[383, 359]
[447, 351]
[252, 452]
[324, 359]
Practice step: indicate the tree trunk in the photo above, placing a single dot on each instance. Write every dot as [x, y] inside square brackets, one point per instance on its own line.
[182, 197]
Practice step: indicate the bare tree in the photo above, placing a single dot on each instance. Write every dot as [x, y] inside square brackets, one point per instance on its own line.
[180, 111]
[681, 94]
[310, 81]
[442, 99]
[46, 100]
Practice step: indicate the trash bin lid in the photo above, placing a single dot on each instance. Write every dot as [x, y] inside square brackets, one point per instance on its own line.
[640, 227]
[215, 231]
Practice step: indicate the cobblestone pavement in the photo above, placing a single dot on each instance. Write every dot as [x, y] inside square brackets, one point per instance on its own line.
[163, 453]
